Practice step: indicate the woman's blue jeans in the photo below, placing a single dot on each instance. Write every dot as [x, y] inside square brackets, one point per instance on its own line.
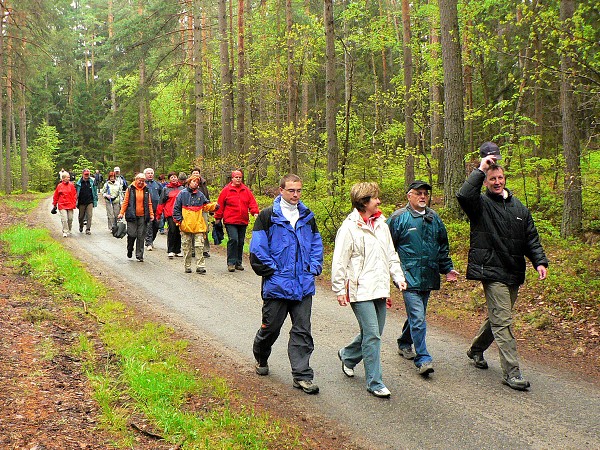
[415, 327]
[366, 346]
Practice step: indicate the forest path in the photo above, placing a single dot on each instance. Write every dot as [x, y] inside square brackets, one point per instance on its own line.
[459, 406]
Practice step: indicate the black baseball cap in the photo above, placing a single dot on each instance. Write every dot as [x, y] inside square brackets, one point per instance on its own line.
[489, 149]
[418, 184]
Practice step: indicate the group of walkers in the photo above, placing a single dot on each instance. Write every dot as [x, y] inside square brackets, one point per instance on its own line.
[146, 205]
[410, 249]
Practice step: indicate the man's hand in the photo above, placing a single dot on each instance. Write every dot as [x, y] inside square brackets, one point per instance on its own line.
[120, 216]
[342, 300]
[452, 276]
[486, 162]
[543, 271]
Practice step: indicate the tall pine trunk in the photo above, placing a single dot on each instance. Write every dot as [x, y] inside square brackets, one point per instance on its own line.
[330, 90]
[410, 139]
[454, 172]
[573, 204]
[200, 151]
[226, 90]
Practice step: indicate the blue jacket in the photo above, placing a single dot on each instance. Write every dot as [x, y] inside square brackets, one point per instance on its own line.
[155, 189]
[287, 258]
[421, 241]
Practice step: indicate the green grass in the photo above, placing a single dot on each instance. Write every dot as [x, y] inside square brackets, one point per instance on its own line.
[145, 372]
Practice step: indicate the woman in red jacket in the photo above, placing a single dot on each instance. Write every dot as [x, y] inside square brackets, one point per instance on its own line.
[235, 200]
[65, 199]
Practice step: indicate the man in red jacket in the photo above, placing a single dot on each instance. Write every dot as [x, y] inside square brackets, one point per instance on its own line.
[235, 200]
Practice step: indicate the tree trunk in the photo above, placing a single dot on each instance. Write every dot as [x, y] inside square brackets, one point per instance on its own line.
[410, 140]
[142, 103]
[330, 90]
[436, 104]
[23, 134]
[2, 173]
[241, 82]
[226, 91]
[200, 151]
[9, 120]
[113, 95]
[292, 115]
[573, 205]
[454, 171]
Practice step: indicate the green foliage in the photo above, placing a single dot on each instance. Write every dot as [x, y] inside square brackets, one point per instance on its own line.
[42, 158]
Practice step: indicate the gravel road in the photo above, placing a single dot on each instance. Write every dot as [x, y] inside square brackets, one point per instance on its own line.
[459, 406]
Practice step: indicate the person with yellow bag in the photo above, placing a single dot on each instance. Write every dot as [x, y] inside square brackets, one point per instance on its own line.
[187, 214]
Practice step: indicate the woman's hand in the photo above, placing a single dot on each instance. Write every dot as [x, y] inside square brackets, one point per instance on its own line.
[342, 300]
[388, 302]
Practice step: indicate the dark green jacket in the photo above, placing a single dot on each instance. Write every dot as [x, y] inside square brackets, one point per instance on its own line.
[421, 241]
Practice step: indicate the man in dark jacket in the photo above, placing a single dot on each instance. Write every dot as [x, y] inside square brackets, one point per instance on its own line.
[287, 251]
[155, 189]
[138, 211]
[421, 240]
[87, 200]
[502, 234]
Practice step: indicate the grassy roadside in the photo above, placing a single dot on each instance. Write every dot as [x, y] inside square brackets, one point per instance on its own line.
[138, 369]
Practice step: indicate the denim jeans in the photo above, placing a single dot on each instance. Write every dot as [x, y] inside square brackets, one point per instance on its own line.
[415, 327]
[366, 346]
[235, 243]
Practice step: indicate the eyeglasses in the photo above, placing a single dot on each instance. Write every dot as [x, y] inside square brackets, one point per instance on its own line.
[420, 194]
[294, 191]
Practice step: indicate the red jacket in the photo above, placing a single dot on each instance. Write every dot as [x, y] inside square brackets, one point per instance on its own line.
[65, 196]
[234, 204]
[167, 199]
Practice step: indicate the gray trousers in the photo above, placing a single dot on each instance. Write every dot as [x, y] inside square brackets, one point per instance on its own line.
[86, 212]
[300, 344]
[136, 231]
[500, 299]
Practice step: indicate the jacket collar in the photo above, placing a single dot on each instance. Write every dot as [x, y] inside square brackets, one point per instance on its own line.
[305, 213]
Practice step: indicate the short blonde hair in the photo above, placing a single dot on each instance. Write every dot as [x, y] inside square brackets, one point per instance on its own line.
[362, 193]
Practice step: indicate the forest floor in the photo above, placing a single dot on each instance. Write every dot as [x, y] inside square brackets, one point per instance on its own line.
[47, 403]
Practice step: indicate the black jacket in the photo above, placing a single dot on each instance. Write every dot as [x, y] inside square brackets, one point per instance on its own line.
[502, 234]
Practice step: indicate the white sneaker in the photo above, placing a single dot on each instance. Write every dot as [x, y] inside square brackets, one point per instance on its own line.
[171, 255]
[381, 393]
[65, 234]
[179, 255]
[149, 248]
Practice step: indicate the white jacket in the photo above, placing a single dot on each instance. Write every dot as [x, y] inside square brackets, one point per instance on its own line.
[363, 260]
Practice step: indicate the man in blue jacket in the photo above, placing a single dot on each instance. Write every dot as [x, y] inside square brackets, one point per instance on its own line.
[421, 240]
[287, 251]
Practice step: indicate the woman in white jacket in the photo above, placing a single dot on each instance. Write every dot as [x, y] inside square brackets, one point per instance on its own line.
[363, 260]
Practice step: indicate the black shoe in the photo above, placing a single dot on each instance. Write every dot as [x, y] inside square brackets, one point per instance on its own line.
[478, 360]
[193, 254]
[206, 254]
[188, 270]
[517, 383]
[200, 270]
[129, 253]
[261, 370]
[81, 229]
